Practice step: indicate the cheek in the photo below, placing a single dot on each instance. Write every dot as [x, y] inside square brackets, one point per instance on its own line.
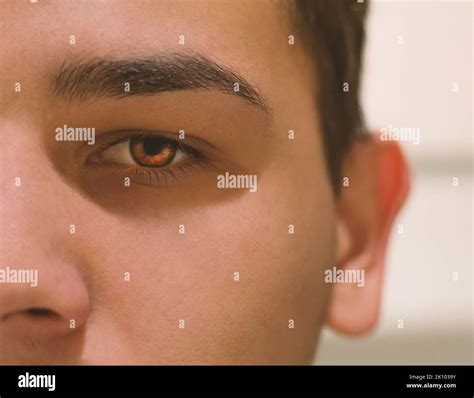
[236, 276]
[281, 277]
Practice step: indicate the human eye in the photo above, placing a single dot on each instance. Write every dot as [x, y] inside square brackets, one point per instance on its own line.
[147, 157]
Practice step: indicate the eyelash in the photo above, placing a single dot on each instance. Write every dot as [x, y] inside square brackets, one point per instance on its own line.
[156, 176]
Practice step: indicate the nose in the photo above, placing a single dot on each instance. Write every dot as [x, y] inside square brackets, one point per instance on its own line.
[43, 312]
[44, 302]
[44, 299]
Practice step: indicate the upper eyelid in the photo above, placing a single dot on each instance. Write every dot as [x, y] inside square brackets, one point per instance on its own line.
[126, 134]
[129, 135]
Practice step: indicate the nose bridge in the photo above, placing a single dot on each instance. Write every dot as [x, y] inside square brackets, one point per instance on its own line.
[36, 205]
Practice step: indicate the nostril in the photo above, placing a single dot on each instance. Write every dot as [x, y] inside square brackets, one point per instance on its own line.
[38, 313]
[41, 312]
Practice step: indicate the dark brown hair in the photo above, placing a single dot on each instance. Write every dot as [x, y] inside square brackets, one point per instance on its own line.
[333, 32]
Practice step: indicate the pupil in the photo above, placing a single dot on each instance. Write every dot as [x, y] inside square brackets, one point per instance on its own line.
[153, 146]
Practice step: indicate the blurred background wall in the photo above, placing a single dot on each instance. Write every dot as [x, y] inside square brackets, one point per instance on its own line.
[418, 73]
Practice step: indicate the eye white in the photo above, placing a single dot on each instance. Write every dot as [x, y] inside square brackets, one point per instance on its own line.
[120, 153]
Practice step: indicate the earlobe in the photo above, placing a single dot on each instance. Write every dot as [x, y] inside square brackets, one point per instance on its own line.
[378, 185]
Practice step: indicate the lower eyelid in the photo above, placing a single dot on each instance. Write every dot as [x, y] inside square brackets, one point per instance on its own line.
[148, 176]
[163, 176]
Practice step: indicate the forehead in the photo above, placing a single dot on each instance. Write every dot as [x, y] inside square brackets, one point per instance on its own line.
[244, 32]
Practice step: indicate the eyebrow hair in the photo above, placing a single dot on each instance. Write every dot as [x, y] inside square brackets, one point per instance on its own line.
[81, 80]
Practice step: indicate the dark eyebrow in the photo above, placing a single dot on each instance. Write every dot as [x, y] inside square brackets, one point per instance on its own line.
[81, 80]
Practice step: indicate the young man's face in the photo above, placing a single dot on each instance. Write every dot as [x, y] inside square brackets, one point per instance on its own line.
[169, 268]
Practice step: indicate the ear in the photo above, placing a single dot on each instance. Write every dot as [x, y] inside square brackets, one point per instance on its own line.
[378, 182]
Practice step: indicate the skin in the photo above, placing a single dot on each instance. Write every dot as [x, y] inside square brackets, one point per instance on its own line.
[135, 229]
